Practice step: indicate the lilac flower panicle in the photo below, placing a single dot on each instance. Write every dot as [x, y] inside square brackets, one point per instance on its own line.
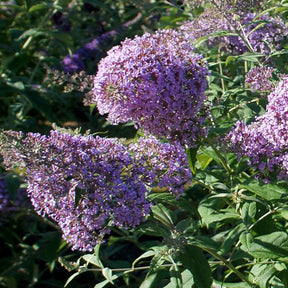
[262, 40]
[157, 82]
[86, 184]
[265, 141]
[236, 6]
[259, 78]
[208, 22]
[81, 182]
[240, 6]
[73, 63]
[167, 163]
[97, 48]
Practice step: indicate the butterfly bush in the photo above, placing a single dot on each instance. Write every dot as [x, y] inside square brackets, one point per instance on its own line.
[231, 5]
[89, 184]
[238, 6]
[81, 182]
[157, 82]
[167, 163]
[262, 40]
[265, 141]
[259, 78]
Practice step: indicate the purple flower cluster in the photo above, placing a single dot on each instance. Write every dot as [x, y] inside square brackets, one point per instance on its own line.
[210, 21]
[157, 82]
[168, 164]
[97, 48]
[240, 6]
[269, 35]
[259, 78]
[83, 183]
[235, 6]
[265, 141]
[92, 50]
[88, 184]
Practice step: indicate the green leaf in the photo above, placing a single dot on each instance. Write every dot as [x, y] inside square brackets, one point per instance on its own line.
[204, 160]
[213, 35]
[38, 7]
[266, 191]
[248, 213]
[31, 32]
[260, 274]
[208, 151]
[193, 259]
[148, 282]
[147, 254]
[153, 280]
[164, 215]
[202, 241]
[175, 278]
[246, 238]
[154, 229]
[167, 198]
[251, 57]
[284, 277]
[106, 282]
[283, 213]
[231, 285]
[71, 278]
[281, 9]
[70, 266]
[209, 211]
[271, 246]
[93, 259]
[62, 37]
[185, 225]
[192, 159]
[158, 259]
[220, 76]
[229, 59]
[187, 279]
[17, 85]
[107, 273]
[232, 238]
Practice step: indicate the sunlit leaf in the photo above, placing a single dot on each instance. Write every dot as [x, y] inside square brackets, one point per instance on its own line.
[193, 259]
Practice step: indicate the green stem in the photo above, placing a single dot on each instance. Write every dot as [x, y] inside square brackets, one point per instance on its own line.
[242, 35]
[227, 264]
[129, 270]
[221, 73]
